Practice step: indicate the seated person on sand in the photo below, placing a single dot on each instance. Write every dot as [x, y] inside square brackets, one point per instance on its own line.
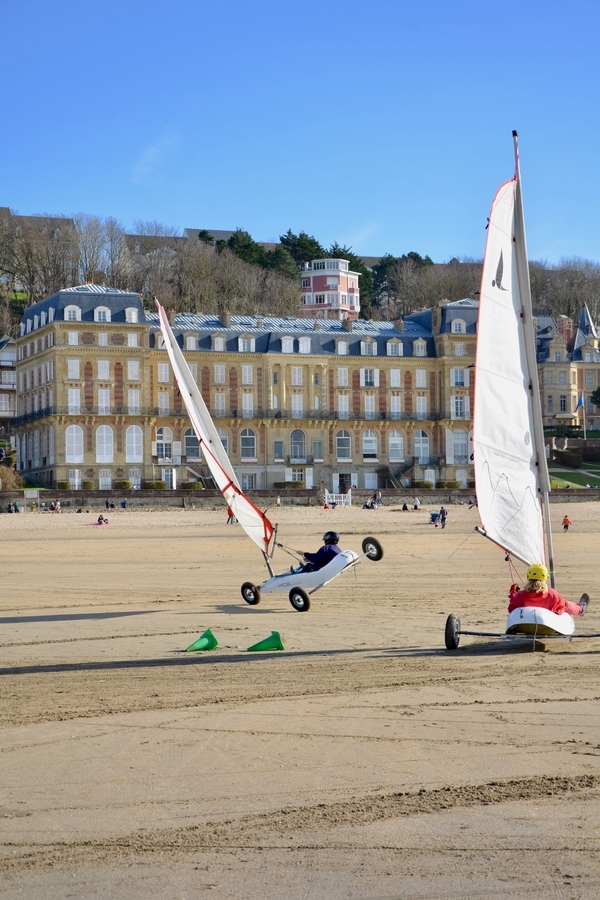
[537, 593]
[324, 555]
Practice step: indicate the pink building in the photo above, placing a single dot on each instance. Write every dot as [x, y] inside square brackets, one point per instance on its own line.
[329, 290]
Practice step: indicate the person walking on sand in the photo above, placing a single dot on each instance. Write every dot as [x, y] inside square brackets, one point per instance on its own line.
[230, 517]
[443, 516]
[565, 523]
[416, 503]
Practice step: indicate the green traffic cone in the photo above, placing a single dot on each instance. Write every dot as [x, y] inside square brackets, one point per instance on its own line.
[206, 641]
[271, 643]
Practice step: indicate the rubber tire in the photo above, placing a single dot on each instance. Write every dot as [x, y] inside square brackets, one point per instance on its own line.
[299, 599]
[250, 593]
[452, 634]
[372, 549]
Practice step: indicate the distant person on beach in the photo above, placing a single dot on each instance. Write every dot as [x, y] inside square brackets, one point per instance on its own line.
[10, 508]
[537, 593]
[17, 506]
[565, 523]
[416, 503]
[405, 507]
[443, 516]
[107, 504]
[230, 517]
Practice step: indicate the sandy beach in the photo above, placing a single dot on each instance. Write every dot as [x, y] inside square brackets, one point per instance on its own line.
[363, 761]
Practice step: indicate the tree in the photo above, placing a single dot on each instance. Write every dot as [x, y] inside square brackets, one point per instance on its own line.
[281, 260]
[302, 247]
[242, 244]
[595, 396]
[205, 236]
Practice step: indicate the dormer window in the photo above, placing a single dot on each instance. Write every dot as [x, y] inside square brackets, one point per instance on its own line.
[29, 324]
[102, 314]
[287, 345]
[190, 342]
[394, 348]
[458, 326]
[368, 348]
[131, 314]
[51, 315]
[420, 348]
[42, 319]
[246, 345]
[160, 342]
[218, 343]
[36, 322]
[342, 348]
[304, 344]
[72, 314]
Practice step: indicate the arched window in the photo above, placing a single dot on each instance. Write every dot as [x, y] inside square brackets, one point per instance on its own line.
[460, 446]
[102, 314]
[287, 345]
[134, 444]
[248, 444]
[344, 445]
[224, 439]
[422, 446]
[164, 443]
[396, 446]
[192, 444]
[104, 444]
[369, 445]
[74, 444]
[72, 314]
[298, 446]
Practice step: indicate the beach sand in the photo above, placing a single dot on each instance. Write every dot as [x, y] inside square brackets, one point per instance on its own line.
[363, 761]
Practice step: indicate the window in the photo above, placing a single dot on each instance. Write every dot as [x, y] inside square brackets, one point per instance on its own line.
[421, 407]
[248, 444]
[459, 377]
[135, 477]
[224, 439]
[550, 403]
[278, 451]
[103, 339]
[422, 446]
[131, 314]
[587, 356]
[51, 445]
[343, 445]
[394, 348]
[306, 282]
[318, 264]
[191, 444]
[298, 446]
[220, 374]
[248, 482]
[190, 342]
[75, 479]
[164, 443]
[296, 375]
[287, 345]
[103, 370]
[396, 407]
[369, 445]
[316, 378]
[219, 404]
[133, 370]
[104, 479]
[275, 378]
[342, 377]
[247, 405]
[459, 349]
[421, 378]
[368, 348]
[562, 377]
[72, 314]
[163, 372]
[194, 370]
[297, 406]
[132, 340]
[275, 401]
[247, 374]
[134, 444]
[73, 368]
[460, 447]
[420, 348]
[395, 447]
[319, 298]
[369, 406]
[104, 444]
[304, 345]
[218, 343]
[74, 444]
[458, 326]
[395, 378]
[246, 345]
[163, 403]
[369, 377]
[73, 338]
[458, 407]
[74, 401]
[563, 403]
[317, 402]
[104, 402]
[558, 356]
[4, 403]
[342, 348]
[318, 450]
[343, 406]
[548, 376]
[133, 403]
[589, 379]
[102, 314]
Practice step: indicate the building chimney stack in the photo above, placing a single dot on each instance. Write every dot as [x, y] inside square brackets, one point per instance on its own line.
[225, 318]
[347, 325]
[171, 316]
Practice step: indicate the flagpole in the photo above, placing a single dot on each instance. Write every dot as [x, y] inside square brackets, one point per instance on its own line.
[583, 406]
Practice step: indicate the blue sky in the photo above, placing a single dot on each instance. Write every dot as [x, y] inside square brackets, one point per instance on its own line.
[383, 125]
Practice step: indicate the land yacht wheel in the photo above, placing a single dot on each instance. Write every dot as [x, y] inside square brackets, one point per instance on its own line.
[372, 549]
[452, 635]
[250, 593]
[299, 599]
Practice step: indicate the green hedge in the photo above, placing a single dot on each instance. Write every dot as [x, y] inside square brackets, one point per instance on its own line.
[123, 485]
[424, 485]
[63, 485]
[568, 458]
[192, 486]
[88, 484]
[282, 485]
[450, 485]
[155, 485]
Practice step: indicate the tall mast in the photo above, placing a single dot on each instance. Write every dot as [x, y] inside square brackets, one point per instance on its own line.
[530, 350]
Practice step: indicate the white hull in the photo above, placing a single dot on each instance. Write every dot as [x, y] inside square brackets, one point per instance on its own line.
[308, 581]
[537, 620]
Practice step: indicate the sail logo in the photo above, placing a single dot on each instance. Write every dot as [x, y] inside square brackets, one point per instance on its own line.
[497, 282]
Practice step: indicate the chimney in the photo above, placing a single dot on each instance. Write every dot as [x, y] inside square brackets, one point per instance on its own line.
[259, 322]
[225, 318]
[399, 325]
[171, 316]
[317, 325]
[347, 324]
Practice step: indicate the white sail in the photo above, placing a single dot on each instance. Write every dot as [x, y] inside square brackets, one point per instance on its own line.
[507, 462]
[254, 522]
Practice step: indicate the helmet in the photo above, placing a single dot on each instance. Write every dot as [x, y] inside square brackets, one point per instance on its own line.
[331, 537]
[537, 572]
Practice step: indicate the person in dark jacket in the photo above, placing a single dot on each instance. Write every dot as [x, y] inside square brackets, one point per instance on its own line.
[324, 555]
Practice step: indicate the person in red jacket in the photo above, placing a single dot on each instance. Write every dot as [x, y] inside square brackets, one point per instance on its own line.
[537, 593]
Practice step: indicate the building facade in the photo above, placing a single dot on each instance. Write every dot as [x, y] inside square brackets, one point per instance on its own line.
[329, 290]
[8, 384]
[295, 401]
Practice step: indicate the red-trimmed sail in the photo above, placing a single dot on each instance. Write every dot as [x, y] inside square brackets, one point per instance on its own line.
[254, 522]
